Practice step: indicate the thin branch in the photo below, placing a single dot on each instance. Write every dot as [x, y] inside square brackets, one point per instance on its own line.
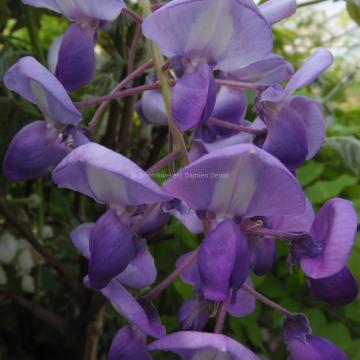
[37, 310]
[28, 234]
[313, 2]
[132, 14]
[220, 320]
[93, 332]
[236, 127]
[163, 162]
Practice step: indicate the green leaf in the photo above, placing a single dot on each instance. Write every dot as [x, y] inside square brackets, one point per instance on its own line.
[338, 333]
[324, 190]
[349, 149]
[311, 171]
[353, 8]
[352, 311]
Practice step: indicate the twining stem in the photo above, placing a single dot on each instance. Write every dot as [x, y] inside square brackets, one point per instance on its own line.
[266, 301]
[236, 127]
[133, 49]
[166, 91]
[122, 84]
[163, 162]
[220, 320]
[155, 292]
[240, 85]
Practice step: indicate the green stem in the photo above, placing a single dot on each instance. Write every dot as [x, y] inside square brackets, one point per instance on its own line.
[313, 2]
[33, 34]
[166, 91]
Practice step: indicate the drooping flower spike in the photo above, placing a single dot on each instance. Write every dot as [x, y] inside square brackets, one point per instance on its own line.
[76, 58]
[205, 35]
[112, 179]
[295, 124]
[193, 345]
[41, 144]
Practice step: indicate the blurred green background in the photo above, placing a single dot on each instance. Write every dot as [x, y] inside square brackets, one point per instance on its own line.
[41, 316]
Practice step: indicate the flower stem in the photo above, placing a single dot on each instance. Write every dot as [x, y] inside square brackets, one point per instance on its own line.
[220, 320]
[132, 14]
[266, 301]
[166, 91]
[105, 100]
[271, 232]
[155, 292]
[240, 85]
[163, 162]
[236, 127]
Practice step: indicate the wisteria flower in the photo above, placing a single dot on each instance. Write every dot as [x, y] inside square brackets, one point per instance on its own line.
[41, 144]
[76, 59]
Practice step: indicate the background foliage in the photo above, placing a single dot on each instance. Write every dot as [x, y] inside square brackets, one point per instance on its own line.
[41, 315]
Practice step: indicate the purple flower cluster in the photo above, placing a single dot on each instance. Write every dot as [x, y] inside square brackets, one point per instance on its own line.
[239, 187]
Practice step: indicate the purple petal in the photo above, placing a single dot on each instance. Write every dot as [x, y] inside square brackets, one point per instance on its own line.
[33, 151]
[53, 54]
[262, 254]
[338, 290]
[217, 32]
[82, 9]
[131, 309]
[286, 138]
[230, 106]
[316, 348]
[76, 60]
[317, 63]
[36, 84]
[276, 10]
[111, 249]
[196, 345]
[197, 90]
[107, 177]
[244, 304]
[80, 237]
[216, 260]
[269, 71]
[193, 315]
[141, 271]
[129, 344]
[311, 113]
[335, 229]
[238, 180]
[153, 223]
[151, 108]
[191, 274]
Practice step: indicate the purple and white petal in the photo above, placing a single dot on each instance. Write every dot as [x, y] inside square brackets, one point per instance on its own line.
[338, 290]
[53, 54]
[192, 345]
[311, 113]
[107, 177]
[33, 151]
[210, 30]
[334, 229]
[111, 249]
[141, 271]
[194, 97]
[132, 310]
[315, 348]
[129, 344]
[244, 304]
[238, 180]
[76, 59]
[216, 260]
[268, 71]
[317, 63]
[80, 237]
[151, 108]
[277, 10]
[38, 85]
[82, 10]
